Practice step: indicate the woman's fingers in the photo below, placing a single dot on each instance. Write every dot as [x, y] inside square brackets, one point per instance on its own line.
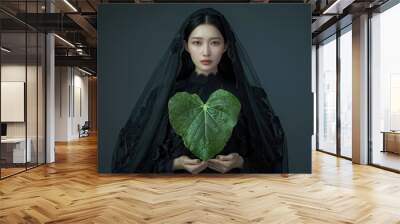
[213, 161]
[214, 167]
[203, 165]
[196, 168]
[230, 156]
[191, 161]
[222, 163]
[221, 157]
[218, 162]
[218, 165]
[218, 168]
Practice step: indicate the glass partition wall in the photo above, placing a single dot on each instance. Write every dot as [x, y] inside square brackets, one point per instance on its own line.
[22, 88]
[334, 81]
[345, 62]
[326, 140]
[334, 94]
[385, 89]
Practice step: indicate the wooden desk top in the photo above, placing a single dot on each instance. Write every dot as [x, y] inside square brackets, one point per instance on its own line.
[391, 132]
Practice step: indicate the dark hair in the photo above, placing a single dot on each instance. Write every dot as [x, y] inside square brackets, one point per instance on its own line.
[216, 19]
[203, 19]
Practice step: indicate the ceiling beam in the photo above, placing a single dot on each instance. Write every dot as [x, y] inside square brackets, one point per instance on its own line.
[82, 61]
[86, 26]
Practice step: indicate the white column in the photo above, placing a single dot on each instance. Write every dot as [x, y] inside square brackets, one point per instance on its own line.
[50, 110]
[62, 103]
[50, 93]
[360, 90]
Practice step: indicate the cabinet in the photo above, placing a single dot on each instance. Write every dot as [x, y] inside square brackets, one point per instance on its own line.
[13, 150]
[391, 141]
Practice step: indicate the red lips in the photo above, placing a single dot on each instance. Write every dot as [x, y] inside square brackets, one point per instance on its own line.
[206, 62]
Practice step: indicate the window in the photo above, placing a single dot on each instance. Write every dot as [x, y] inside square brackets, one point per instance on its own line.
[327, 95]
[385, 88]
[346, 92]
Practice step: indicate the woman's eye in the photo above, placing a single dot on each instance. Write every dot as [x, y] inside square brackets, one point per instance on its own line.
[196, 42]
[215, 43]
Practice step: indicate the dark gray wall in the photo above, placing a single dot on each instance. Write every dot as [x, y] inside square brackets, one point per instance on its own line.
[132, 39]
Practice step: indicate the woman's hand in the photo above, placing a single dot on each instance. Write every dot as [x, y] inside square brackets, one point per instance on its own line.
[193, 166]
[225, 163]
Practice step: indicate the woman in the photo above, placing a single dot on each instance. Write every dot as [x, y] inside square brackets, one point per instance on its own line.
[204, 56]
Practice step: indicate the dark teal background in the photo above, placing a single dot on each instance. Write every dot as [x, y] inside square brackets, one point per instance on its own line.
[277, 37]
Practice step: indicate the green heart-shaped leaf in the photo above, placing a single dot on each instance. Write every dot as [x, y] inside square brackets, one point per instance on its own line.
[204, 128]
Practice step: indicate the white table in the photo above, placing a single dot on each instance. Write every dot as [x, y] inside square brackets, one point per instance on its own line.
[18, 149]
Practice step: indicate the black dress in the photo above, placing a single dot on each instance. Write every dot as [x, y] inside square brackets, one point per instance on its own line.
[240, 142]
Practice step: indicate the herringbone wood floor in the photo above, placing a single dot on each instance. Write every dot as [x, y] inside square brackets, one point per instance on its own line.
[71, 191]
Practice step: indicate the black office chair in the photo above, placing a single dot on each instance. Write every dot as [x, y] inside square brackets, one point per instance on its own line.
[84, 130]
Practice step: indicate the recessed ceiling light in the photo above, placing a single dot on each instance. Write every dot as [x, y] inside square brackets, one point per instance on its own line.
[70, 5]
[337, 7]
[5, 50]
[84, 71]
[65, 41]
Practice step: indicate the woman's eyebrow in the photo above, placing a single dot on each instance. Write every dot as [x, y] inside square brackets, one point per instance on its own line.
[211, 38]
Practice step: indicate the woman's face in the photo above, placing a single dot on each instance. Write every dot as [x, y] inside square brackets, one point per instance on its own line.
[206, 47]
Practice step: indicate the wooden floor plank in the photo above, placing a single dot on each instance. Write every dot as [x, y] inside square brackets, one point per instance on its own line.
[71, 191]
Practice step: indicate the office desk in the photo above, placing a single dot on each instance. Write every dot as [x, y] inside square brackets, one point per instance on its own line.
[391, 141]
[15, 148]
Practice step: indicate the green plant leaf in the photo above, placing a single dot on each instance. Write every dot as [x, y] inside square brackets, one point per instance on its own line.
[204, 128]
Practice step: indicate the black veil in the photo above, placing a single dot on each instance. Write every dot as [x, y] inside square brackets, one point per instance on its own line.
[145, 129]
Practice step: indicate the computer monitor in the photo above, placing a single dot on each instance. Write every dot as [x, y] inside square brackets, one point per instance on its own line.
[3, 129]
